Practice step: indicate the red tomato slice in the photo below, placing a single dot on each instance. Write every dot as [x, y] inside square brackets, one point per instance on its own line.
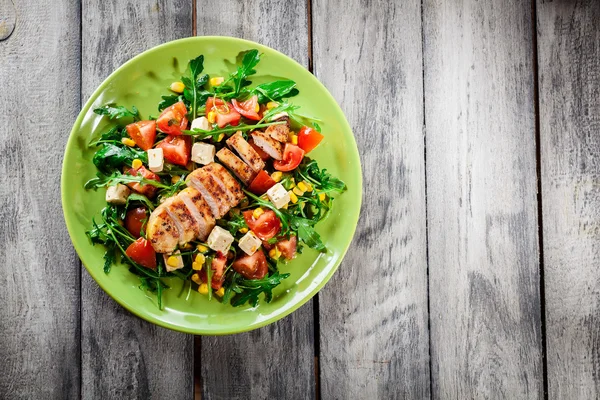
[247, 108]
[173, 119]
[266, 226]
[141, 252]
[211, 102]
[288, 247]
[292, 157]
[308, 139]
[135, 221]
[261, 183]
[252, 267]
[264, 156]
[176, 149]
[143, 133]
[218, 267]
[226, 113]
[145, 189]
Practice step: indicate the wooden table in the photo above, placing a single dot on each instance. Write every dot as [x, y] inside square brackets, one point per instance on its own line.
[474, 272]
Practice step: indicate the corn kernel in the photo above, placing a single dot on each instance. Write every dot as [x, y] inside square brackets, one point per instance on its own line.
[309, 187]
[202, 248]
[293, 197]
[277, 176]
[196, 266]
[298, 191]
[256, 108]
[196, 279]
[216, 81]
[173, 261]
[322, 196]
[136, 163]
[286, 206]
[221, 136]
[302, 186]
[190, 166]
[243, 230]
[272, 104]
[175, 179]
[187, 246]
[220, 292]
[200, 259]
[258, 212]
[128, 142]
[177, 87]
[295, 139]
[274, 253]
[212, 117]
[203, 288]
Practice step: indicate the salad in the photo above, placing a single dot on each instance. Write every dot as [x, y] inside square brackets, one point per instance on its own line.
[216, 190]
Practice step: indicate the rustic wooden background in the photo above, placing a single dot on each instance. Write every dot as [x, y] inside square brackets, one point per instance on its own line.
[475, 270]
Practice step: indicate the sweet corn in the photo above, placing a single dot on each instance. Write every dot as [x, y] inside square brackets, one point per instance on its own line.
[274, 253]
[175, 179]
[187, 246]
[286, 206]
[257, 108]
[200, 259]
[294, 139]
[258, 212]
[272, 104]
[309, 187]
[173, 261]
[302, 186]
[196, 279]
[221, 136]
[196, 266]
[216, 81]
[128, 142]
[293, 197]
[177, 87]
[220, 292]
[203, 288]
[322, 196]
[202, 248]
[212, 117]
[277, 176]
[243, 230]
[136, 163]
[298, 191]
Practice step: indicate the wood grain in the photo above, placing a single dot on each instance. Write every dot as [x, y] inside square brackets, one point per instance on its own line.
[277, 361]
[481, 200]
[373, 312]
[123, 356]
[39, 272]
[569, 92]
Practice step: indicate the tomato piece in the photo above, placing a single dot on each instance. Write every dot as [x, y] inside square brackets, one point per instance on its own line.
[292, 157]
[176, 149]
[252, 267]
[173, 119]
[212, 102]
[135, 221]
[308, 139]
[218, 267]
[264, 227]
[264, 156]
[261, 183]
[288, 247]
[145, 189]
[225, 112]
[247, 108]
[141, 252]
[143, 133]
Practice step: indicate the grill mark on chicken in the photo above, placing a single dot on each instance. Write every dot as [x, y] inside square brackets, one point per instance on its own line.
[278, 132]
[269, 145]
[228, 181]
[245, 151]
[237, 166]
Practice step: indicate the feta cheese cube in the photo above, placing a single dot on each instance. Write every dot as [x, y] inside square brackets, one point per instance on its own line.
[156, 160]
[173, 261]
[219, 240]
[117, 194]
[249, 243]
[203, 153]
[201, 123]
[278, 195]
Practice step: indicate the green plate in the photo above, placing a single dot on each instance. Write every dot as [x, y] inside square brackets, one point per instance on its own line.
[140, 82]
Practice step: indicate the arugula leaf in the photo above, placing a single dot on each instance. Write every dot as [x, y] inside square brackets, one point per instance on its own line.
[234, 224]
[306, 233]
[321, 179]
[317, 127]
[102, 180]
[168, 101]
[276, 90]
[114, 112]
[141, 198]
[194, 91]
[215, 133]
[283, 107]
[196, 66]
[249, 61]
[252, 288]
[113, 156]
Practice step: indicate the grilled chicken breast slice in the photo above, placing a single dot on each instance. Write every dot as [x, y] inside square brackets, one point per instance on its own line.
[229, 182]
[245, 151]
[278, 132]
[184, 220]
[200, 210]
[162, 231]
[237, 166]
[216, 197]
[269, 145]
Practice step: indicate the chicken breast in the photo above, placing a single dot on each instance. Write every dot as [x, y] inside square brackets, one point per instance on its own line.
[184, 220]
[200, 210]
[215, 195]
[278, 132]
[245, 151]
[161, 231]
[228, 181]
[237, 166]
[269, 145]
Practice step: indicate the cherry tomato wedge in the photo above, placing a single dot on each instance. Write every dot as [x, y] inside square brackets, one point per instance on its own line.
[145, 189]
[225, 112]
[261, 183]
[143, 133]
[288, 247]
[247, 108]
[292, 157]
[218, 267]
[141, 252]
[308, 139]
[135, 221]
[264, 227]
[176, 149]
[252, 267]
[173, 119]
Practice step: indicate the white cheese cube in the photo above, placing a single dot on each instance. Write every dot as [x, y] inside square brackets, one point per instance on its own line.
[156, 160]
[203, 153]
[249, 243]
[278, 195]
[177, 261]
[201, 123]
[219, 240]
[117, 194]
[278, 115]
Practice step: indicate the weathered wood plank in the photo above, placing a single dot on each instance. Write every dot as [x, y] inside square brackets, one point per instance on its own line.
[39, 273]
[569, 76]
[123, 356]
[481, 200]
[373, 313]
[276, 361]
